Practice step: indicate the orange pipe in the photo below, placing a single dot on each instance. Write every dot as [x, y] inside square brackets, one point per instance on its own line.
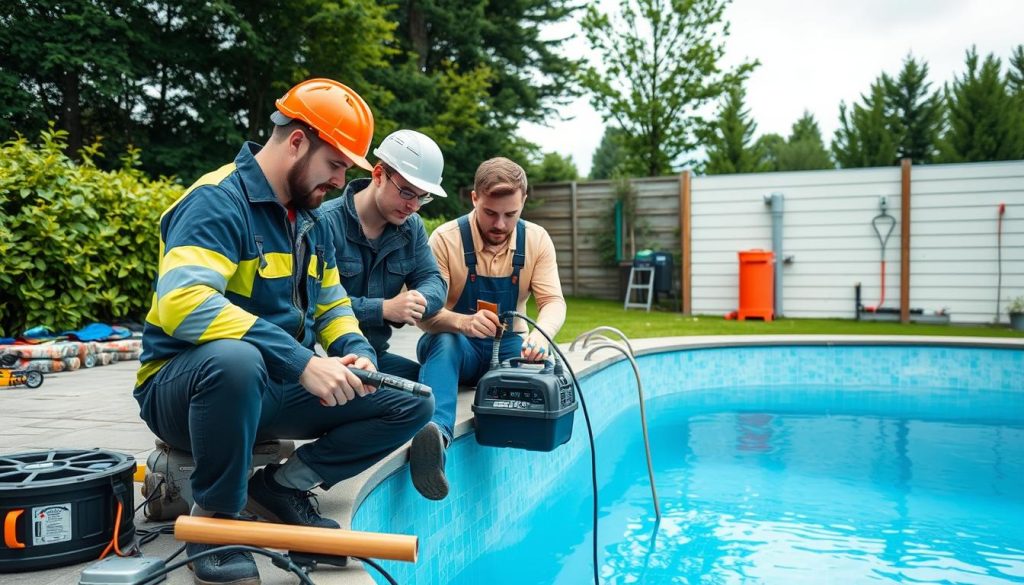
[328, 541]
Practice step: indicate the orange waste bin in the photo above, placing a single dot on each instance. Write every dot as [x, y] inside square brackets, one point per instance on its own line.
[757, 286]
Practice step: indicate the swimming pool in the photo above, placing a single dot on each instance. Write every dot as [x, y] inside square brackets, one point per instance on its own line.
[801, 464]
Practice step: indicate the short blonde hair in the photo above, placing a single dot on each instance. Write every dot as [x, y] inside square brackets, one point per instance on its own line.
[498, 177]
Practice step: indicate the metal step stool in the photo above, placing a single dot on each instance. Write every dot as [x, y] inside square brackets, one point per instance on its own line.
[646, 289]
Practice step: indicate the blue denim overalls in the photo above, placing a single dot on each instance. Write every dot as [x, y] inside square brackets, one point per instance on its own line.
[451, 359]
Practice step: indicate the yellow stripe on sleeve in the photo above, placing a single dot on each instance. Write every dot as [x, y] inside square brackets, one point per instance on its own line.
[338, 327]
[331, 277]
[342, 302]
[231, 323]
[178, 304]
[197, 256]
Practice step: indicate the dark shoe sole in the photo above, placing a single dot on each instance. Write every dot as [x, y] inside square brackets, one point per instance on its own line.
[426, 463]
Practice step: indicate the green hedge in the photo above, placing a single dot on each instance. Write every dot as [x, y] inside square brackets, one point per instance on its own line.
[77, 244]
[432, 223]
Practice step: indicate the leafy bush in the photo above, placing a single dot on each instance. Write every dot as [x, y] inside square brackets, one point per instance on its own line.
[637, 233]
[432, 223]
[1016, 305]
[77, 244]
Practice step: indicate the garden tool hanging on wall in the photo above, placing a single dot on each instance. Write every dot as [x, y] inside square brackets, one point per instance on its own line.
[880, 223]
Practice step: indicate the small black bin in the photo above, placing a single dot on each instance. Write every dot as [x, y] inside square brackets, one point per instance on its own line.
[662, 263]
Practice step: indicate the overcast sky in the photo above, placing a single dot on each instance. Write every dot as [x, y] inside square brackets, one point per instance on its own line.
[817, 53]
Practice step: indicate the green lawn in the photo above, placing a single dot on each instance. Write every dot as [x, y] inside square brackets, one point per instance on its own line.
[585, 314]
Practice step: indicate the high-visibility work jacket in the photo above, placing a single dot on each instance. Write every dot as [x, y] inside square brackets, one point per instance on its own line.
[233, 266]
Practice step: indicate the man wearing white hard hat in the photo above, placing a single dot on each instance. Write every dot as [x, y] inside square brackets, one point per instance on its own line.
[381, 244]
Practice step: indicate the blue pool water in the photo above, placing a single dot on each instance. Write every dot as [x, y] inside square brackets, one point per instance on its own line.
[897, 480]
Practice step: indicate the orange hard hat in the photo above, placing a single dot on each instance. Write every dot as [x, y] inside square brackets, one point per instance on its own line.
[337, 113]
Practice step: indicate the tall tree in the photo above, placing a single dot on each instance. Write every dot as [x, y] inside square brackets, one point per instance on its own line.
[917, 114]
[659, 68]
[468, 72]
[866, 137]
[552, 167]
[67, 61]
[610, 157]
[730, 144]
[803, 150]
[185, 81]
[984, 120]
[771, 145]
[1015, 85]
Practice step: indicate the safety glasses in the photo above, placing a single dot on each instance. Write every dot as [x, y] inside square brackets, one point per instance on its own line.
[409, 194]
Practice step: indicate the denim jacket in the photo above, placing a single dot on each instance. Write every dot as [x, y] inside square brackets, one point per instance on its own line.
[404, 259]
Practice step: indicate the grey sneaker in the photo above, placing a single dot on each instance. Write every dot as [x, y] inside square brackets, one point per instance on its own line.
[224, 568]
[277, 503]
[426, 463]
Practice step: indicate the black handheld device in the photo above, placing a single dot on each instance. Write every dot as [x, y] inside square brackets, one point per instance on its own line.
[380, 380]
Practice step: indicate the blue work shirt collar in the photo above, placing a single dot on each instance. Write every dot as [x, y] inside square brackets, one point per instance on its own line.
[257, 187]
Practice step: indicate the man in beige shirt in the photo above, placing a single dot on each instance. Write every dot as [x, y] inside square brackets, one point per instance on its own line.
[492, 261]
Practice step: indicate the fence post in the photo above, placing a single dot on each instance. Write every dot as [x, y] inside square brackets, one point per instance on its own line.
[905, 240]
[684, 242]
[575, 246]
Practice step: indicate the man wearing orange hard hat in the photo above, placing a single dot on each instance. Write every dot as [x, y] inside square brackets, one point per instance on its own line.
[247, 284]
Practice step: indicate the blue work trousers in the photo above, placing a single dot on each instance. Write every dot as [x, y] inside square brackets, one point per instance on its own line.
[217, 400]
[451, 359]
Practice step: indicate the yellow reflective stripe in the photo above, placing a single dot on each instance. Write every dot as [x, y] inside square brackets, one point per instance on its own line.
[197, 256]
[154, 315]
[321, 309]
[231, 323]
[338, 327]
[331, 278]
[147, 370]
[313, 262]
[244, 277]
[211, 178]
[279, 265]
[179, 303]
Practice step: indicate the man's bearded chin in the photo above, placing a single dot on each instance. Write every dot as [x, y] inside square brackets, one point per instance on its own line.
[301, 196]
[494, 238]
[309, 199]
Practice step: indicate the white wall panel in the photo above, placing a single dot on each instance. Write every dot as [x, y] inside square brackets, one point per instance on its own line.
[826, 229]
[954, 253]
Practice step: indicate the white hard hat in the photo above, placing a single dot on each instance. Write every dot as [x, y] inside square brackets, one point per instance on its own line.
[414, 156]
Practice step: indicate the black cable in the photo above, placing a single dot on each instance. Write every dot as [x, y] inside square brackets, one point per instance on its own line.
[148, 535]
[277, 557]
[379, 568]
[586, 417]
[180, 550]
[152, 496]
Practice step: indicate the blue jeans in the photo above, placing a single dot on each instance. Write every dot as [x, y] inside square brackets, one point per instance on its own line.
[217, 400]
[451, 359]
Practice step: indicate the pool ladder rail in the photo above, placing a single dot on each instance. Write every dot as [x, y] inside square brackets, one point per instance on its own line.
[595, 340]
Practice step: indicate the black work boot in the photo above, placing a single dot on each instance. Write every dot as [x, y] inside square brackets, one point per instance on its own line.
[223, 568]
[426, 463]
[277, 503]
